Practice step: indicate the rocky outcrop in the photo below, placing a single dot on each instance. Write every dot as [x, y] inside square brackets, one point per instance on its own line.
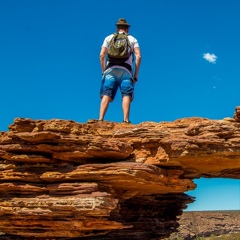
[237, 114]
[103, 180]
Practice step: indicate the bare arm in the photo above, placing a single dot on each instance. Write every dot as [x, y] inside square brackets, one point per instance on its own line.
[103, 53]
[137, 54]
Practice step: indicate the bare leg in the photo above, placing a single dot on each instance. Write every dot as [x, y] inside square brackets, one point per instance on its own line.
[104, 106]
[126, 101]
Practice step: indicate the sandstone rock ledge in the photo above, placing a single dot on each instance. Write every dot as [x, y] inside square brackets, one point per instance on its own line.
[102, 180]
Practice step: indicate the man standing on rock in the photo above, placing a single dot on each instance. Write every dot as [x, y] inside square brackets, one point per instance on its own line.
[120, 49]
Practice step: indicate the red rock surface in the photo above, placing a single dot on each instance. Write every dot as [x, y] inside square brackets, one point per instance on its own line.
[103, 180]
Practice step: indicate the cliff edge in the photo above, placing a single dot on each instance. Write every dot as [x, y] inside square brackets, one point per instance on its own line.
[103, 180]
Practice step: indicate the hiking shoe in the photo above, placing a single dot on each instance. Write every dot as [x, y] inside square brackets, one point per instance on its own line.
[94, 120]
[126, 121]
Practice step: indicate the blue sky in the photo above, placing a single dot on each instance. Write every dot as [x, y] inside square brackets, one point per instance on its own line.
[49, 65]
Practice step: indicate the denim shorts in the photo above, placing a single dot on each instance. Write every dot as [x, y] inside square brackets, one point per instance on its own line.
[115, 78]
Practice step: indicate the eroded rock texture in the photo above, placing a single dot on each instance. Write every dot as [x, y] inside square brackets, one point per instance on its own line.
[103, 180]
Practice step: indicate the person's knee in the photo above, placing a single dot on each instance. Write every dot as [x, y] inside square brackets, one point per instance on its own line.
[106, 99]
[127, 99]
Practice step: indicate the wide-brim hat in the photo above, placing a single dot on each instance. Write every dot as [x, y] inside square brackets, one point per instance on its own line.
[122, 22]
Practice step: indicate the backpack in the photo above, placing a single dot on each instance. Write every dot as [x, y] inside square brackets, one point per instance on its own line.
[119, 48]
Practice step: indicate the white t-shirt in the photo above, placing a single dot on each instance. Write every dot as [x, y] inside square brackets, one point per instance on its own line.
[133, 42]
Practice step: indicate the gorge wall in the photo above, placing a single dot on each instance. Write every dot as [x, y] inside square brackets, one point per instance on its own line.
[103, 180]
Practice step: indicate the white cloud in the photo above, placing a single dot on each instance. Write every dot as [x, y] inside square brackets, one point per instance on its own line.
[210, 57]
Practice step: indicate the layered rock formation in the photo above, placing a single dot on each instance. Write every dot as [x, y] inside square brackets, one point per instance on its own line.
[103, 180]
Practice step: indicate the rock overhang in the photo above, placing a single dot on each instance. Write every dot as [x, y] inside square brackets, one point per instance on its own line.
[58, 171]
